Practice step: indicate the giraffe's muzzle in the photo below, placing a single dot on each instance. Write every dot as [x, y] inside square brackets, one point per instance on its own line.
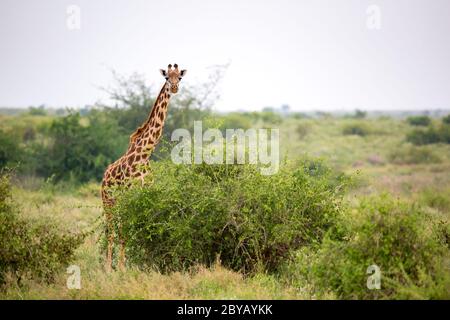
[174, 89]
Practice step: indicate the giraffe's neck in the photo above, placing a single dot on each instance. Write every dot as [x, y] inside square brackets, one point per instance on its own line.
[144, 140]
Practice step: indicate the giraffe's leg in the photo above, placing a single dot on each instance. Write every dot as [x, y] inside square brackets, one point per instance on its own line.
[110, 236]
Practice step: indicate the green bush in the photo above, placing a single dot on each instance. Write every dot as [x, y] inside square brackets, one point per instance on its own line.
[359, 114]
[29, 134]
[79, 151]
[358, 129]
[270, 117]
[410, 248]
[444, 133]
[414, 155]
[190, 214]
[437, 199]
[431, 135]
[422, 137]
[235, 121]
[10, 151]
[446, 119]
[419, 120]
[298, 115]
[34, 248]
[303, 129]
[37, 111]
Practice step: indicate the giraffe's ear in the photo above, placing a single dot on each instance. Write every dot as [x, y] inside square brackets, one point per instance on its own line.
[163, 72]
[183, 72]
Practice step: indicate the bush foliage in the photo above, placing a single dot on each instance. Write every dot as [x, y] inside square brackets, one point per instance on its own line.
[358, 129]
[80, 151]
[437, 199]
[35, 248]
[10, 150]
[446, 119]
[419, 120]
[79, 145]
[414, 155]
[192, 214]
[430, 135]
[409, 247]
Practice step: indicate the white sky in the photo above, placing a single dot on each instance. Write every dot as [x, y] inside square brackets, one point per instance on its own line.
[313, 54]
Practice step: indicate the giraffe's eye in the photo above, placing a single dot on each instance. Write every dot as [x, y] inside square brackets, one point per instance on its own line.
[180, 78]
[167, 78]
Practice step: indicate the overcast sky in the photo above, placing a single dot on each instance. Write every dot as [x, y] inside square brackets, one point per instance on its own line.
[313, 54]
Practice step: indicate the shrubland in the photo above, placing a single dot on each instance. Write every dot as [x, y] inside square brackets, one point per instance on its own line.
[31, 248]
[195, 214]
[359, 129]
[430, 135]
[408, 244]
[226, 231]
[410, 154]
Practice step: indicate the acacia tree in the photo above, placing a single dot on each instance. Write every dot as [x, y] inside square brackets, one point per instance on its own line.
[132, 99]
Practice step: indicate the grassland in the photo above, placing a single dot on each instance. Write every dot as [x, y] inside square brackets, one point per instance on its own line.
[380, 161]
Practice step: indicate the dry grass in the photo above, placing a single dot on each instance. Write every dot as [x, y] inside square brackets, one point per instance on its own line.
[403, 180]
[203, 283]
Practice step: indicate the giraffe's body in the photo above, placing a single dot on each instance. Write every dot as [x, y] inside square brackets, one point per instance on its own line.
[132, 164]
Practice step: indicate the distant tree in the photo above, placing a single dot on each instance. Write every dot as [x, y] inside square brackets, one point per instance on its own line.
[29, 134]
[271, 117]
[268, 109]
[419, 120]
[324, 114]
[235, 120]
[10, 151]
[357, 129]
[85, 110]
[61, 112]
[444, 133]
[422, 137]
[80, 150]
[37, 111]
[298, 115]
[133, 99]
[360, 114]
[446, 119]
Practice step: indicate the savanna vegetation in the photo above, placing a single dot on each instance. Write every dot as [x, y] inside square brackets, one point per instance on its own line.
[352, 191]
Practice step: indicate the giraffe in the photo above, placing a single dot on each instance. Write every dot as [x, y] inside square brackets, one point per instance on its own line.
[130, 166]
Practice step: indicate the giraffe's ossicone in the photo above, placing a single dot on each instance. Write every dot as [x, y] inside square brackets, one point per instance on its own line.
[132, 164]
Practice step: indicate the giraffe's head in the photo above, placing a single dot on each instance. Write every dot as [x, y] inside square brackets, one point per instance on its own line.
[173, 76]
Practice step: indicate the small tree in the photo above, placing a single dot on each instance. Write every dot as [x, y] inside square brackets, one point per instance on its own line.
[360, 114]
[446, 119]
[133, 100]
[37, 111]
[419, 121]
[10, 152]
